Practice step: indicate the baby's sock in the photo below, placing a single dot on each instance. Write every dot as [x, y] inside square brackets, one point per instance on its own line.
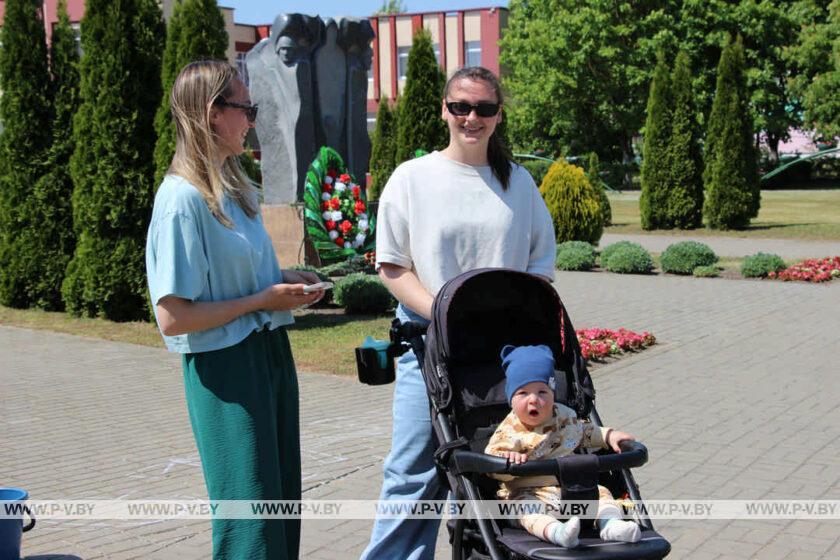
[614, 529]
[564, 534]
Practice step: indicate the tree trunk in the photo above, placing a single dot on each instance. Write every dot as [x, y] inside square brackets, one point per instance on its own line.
[627, 159]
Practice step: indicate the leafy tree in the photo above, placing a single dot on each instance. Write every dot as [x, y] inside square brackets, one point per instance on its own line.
[26, 114]
[730, 177]
[579, 72]
[684, 207]
[53, 238]
[196, 31]
[593, 174]
[816, 56]
[419, 125]
[655, 186]
[112, 165]
[382, 162]
[390, 7]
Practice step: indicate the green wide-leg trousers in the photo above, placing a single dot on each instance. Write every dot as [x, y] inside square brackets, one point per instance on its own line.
[243, 406]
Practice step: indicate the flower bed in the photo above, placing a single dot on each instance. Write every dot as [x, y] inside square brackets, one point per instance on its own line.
[597, 344]
[811, 270]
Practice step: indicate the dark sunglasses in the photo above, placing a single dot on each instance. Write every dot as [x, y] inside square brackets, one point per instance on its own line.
[483, 109]
[250, 110]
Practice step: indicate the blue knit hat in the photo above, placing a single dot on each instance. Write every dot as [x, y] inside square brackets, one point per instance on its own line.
[526, 364]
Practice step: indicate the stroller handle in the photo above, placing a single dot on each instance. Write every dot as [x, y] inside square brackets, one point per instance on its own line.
[633, 454]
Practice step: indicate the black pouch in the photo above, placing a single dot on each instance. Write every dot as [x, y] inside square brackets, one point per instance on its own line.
[369, 366]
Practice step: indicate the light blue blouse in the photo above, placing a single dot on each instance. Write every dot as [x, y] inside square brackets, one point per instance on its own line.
[191, 255]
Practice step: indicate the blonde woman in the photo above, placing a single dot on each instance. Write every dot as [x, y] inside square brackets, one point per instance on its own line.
[222, 302]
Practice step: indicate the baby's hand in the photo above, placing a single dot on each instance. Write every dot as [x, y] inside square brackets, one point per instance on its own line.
[615, 437]
[514, 457]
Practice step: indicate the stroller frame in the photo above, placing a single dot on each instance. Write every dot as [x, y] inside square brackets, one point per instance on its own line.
[459, 466]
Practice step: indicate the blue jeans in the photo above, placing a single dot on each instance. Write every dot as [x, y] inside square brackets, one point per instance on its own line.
[409, 471]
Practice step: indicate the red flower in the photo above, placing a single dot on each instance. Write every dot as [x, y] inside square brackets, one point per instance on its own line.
[346, 226]
[335, 203]
[359, 207]
[327, 187]
[332, 173]
[345, 178]
[357, 192]
[325, 205]
[339, 241]
[330, 225]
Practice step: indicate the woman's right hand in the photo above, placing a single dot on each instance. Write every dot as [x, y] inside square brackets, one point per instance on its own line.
[283, 297]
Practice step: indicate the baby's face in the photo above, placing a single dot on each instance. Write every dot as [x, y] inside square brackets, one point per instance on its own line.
[533, 403]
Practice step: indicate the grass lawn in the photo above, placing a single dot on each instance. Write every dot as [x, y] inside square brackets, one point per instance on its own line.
[321, 342]
[813, 214]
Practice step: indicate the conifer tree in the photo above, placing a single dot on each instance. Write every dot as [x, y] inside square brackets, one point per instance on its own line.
[196, 31]
[730, 178]
[26, 114]
[52, 236]
[684, 206]
[382, 162]
[112, 165]
[419, 125]
[653, 200]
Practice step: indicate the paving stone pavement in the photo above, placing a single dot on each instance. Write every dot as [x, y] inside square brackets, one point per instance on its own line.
[723, 246]
[739, 400]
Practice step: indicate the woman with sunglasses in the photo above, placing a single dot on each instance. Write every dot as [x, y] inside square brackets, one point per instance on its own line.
[221, 301]
[465, 207]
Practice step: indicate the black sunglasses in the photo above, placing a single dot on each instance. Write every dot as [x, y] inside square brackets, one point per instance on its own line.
[483, 109]
[250, 110]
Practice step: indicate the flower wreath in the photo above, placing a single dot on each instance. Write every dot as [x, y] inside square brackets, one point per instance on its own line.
[335, 209]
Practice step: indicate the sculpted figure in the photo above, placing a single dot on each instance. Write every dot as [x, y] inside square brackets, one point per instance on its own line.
[331, 81]
[355, 37]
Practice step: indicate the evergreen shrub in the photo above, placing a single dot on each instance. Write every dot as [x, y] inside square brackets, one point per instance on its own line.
[685, 256]
[707, 271]
[361, 293]
[537, 168]
[627, 258]
[573, 204]
[575, 255]
[761, 264]
[383, 149]
[593, 173]
[655, 187]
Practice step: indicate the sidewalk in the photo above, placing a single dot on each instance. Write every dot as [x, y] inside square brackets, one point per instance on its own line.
[790, 249]
[738, 400]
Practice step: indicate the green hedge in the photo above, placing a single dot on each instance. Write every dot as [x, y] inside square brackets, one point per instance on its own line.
[760, 264]
[575, 255]
[708, 271]
[361, 293]
[626, 257]
[685, 256]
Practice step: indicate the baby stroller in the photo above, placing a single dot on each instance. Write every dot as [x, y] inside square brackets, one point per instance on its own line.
[474, 315]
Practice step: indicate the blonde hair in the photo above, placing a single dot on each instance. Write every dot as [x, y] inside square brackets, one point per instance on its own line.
[197, 145]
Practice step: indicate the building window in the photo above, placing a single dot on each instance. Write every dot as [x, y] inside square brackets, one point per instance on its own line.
[436, 47]
[472, 53]
[241, 67]
[77, 35]
[402, 62]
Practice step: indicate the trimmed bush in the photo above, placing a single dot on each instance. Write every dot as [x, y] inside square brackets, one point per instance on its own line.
[626, 257]
[685, 256]
[574, 205]
[707, 271]
[575, 255]
[383, 149]
[761, 264]
[361, 293]
[653, 199]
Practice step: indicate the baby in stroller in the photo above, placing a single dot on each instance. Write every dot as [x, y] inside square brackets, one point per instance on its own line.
[539, 428]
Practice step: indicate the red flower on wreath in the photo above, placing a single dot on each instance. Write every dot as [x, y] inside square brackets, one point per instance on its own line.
[345, 178]
[327, 187]
[357, 192]
[332, 173]
[335, 203]
[325, 205]
[330, 225]
[359, 207]
[339, 241]
[346, 226]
